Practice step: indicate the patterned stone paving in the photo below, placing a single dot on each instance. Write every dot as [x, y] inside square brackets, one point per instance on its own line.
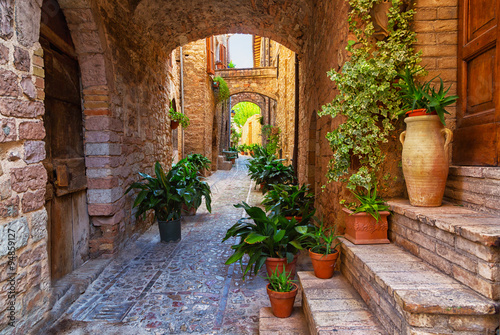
[176, 288]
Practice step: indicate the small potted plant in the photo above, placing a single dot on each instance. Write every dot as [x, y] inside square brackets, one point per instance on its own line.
[177, 118]
[265, 169]
[163, 195]
[425, 141]
[272, 240]
[282, 292]
[322, 243]
[366, 222]
[199, 162]
[289, 200]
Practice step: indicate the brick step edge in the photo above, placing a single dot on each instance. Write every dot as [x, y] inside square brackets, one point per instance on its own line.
[411, 297]
[294, 325]
[332, 306]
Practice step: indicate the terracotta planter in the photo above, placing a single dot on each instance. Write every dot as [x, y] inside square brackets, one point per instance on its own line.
[277, 263]
[298, 218]
[419, 112]
[362, 228]
[233, 160]
[174, 124]
[324, 265]
[188, 211]
[282, 302]
[242, 153]
[425, 159]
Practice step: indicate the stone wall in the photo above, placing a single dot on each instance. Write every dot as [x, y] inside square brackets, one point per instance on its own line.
[251, 131]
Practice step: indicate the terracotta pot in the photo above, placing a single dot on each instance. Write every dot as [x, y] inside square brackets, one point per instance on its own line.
[186, 211]
[233, 160]
[277, 263]
[174, 124]
[419, 112]
[242, 153]
[324, 265]
[362, 228]
[298, 218]
[282, 302]
[425, 159]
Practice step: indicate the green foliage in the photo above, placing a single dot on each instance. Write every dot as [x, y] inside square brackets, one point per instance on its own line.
[199, 161]
[235, 134]
[266, 169]
[416, 95]
[272, 137]
[231, 65]
[243, 111]
[289, 200]
[320, 239]
[164, 194]
[186, 173]
[178, 116]
[368, 203]
[260, 236]
[280, 281]
[368, 98]
[223, 89]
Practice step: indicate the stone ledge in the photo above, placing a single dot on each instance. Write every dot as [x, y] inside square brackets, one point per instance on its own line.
[410, 296]
[333, 306]
[478, 227]
[293, 325]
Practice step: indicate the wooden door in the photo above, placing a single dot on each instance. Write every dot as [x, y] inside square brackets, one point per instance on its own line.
[66, 199]
[476, 140]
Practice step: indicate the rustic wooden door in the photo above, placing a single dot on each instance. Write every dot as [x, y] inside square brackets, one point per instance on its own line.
[66, 199]
[476, 140]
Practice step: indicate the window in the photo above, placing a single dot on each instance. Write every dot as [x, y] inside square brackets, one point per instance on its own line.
[210, 55]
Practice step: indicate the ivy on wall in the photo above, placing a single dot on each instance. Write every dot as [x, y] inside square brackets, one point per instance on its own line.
[223, 89]
[367, 97]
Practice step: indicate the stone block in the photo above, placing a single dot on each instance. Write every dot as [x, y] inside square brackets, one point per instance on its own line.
[22, 59]
[33, 200]
[93, 70]
[34, 151]
[8, 84]
[103, 149]
[5, 190]
[33, 177]
[102, 183]
[8, 131]
[9, 207]
[18, 231]
[4, 51]
[28, 22]
[7, 19]
[104, 196]
[28, 87]
[31, 130]
[21, 108]
[101, 123]
[39, 222]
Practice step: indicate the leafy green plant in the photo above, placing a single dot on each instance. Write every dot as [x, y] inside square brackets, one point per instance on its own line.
[272, 138]
[320, 239]
[186, 173]
[231, 65]
[243, 111]
[280, 281]
[199, 161]
[266, 169]
[422, 95]
[224, 93]
[289, 200]
[261, 236]
[164, 194]
[367, 96]
[178, 117]
[369, 203]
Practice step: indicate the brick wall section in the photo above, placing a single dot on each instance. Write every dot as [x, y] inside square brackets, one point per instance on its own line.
[285, 109]
[257, 80]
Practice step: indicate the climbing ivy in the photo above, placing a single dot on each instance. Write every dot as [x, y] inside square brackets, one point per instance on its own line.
[223, 89]
[367, 97]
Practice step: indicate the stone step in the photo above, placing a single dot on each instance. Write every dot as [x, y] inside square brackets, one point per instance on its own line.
[332, 306]
[410, 296]
[294, 325]
[460, 242]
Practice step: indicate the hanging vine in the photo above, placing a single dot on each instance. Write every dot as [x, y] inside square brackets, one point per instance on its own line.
[366, 95]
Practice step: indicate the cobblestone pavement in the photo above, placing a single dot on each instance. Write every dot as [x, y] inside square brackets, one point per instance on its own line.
[176, 288]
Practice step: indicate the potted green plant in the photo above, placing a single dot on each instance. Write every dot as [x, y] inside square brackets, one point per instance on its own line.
[177, 118]
[289, 200]
[322, 243]
[265, 169]
[272, 240]
[165, 197]
[366, 222]
[281, 291]
[199, 162]
[425, 141]
[186, 174]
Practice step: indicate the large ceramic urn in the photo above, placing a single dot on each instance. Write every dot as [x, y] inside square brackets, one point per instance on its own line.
[425, 159]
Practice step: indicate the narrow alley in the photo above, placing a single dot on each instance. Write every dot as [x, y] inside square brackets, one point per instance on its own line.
[184, 287]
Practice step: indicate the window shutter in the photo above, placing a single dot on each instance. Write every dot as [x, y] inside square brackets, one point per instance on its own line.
[210, 56]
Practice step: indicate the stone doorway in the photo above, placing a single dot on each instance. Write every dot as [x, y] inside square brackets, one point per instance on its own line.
[66, 197]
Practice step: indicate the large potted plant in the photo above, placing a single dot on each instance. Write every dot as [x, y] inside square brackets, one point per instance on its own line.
[322, 243]
[272, 240]
[281, 291]
[425, 141]
[186, 174]
[163, 195]
[289, 200]
[366, 222]
[265, 169]
[199, 162]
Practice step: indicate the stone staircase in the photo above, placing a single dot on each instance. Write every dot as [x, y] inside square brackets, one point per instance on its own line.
[439, 275]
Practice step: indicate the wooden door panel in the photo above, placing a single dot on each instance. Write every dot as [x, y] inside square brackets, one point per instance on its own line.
[61, 236]
[475, 140]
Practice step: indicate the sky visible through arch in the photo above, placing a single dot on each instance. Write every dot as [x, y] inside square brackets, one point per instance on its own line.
[240, 50]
